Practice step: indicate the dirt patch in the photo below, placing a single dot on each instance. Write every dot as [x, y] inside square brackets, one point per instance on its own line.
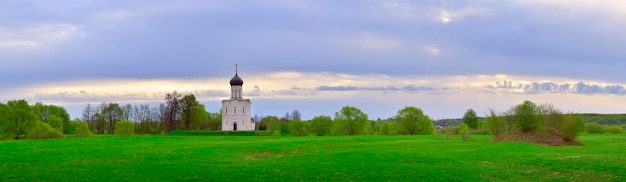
[549, 137]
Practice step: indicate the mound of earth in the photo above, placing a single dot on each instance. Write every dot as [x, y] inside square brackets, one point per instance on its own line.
[550, 137]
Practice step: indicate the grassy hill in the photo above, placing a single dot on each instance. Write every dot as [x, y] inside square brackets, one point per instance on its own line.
[339, 158]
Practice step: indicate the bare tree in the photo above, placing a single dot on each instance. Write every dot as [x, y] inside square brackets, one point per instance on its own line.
[88, 113]
[172, 111]
[295, 115]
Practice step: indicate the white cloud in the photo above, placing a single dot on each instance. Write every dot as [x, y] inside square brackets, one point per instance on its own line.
[40, 34]
[373, 41]
[432, 50]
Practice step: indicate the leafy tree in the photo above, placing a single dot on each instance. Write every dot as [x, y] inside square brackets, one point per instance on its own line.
[82, 130]
[124, 128]
[464, 132]
[495, 124]
[55, 122]
[413, 121]
[528, 116]
[298, 128]
[189, 111]
[19, 119]
[350, 121]
[388, 128]
[322, 125]
[470, 119]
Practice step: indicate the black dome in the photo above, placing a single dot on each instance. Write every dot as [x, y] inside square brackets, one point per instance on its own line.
[236, 80]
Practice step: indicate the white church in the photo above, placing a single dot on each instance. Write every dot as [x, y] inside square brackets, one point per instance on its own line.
[236, 110]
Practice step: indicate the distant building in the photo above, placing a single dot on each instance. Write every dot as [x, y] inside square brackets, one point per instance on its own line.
[236, 110]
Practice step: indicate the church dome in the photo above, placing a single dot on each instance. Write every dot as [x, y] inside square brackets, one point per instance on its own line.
[236, 80]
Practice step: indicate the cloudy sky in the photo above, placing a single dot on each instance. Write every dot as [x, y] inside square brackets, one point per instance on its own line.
[443, 56]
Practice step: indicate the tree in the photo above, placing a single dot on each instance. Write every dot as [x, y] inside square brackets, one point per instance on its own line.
[112, 114]
[350, 121]
[55, 122]
[298, 128]
[171, 111]
[464, 132]
[388, 128]
[295, 115]
[88, 114]
[124, 128]
[19, 119]
[470, 119]
[528, 116]
[189, 111]
[495, 124]
[413, 121]
[82, 129]
[322, 125]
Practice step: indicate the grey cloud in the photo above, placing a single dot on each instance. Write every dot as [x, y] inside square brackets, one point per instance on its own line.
[551, 87]
[408, 88]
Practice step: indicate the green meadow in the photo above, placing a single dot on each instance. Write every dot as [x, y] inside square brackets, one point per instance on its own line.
[195, 157]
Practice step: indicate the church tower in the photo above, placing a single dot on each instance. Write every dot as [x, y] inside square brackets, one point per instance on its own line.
[236, 110]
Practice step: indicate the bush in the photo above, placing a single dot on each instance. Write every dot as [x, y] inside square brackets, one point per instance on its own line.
[594, 128]
[39, 129]
[449, 130]
[124, 128]
[571, 127]
[52, 133]
[613, 129]
[464, 132]
[82, 130]
[298, 128]
[495, 124]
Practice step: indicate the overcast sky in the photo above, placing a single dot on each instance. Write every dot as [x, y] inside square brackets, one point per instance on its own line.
[317, 56]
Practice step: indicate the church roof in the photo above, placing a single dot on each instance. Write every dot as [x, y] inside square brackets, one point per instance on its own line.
[236, 80]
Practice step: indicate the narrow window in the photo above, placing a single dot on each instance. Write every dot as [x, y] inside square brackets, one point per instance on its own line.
[235, 109]
[226, 110]
[244, 109]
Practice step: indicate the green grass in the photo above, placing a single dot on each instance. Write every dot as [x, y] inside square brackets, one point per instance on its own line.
[338, 158]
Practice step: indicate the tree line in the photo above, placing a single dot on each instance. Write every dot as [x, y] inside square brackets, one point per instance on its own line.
[19, 120]
[351, 120]
[177, 113]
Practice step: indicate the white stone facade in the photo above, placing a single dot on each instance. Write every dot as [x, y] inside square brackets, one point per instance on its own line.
[236, 115]
[236, 110]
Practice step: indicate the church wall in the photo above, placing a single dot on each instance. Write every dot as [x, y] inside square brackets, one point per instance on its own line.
[237, 110]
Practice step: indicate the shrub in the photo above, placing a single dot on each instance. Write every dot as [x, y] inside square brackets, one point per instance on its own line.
[277, 133]
[52, 133]
[39, 129]
[594, 128]
[82, 130]
[464, 132]
[298, 128]
[124, 128]
[571, 127]
[528, 116]
[613, 129]
[449, 130]
[495, 124]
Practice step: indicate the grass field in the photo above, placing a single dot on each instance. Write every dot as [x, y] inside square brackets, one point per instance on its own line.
[337, 158]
